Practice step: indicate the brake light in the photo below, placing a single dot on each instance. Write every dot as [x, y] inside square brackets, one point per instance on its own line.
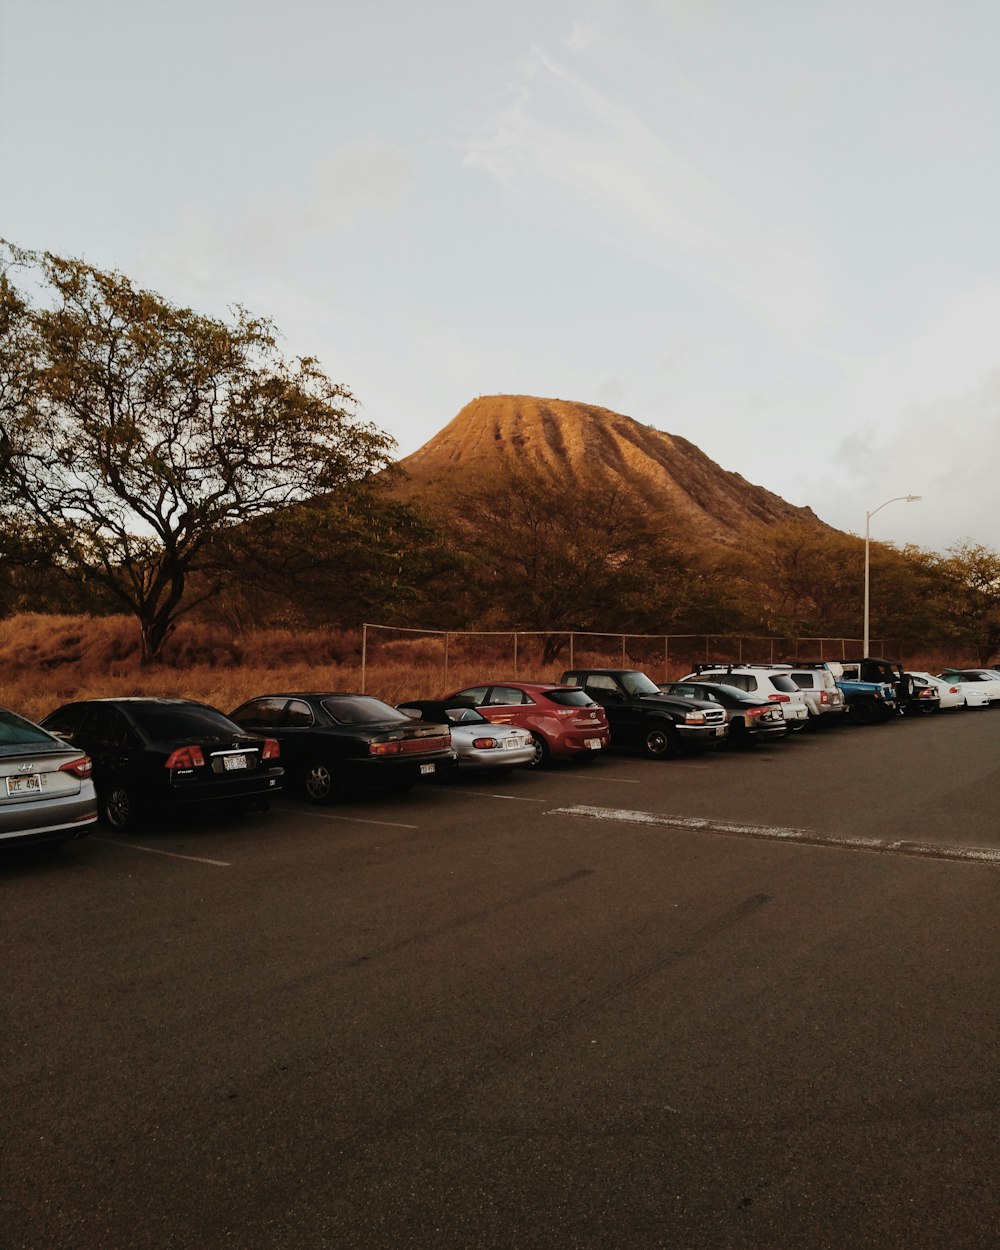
[824, 697]
[484, 744]
[186, 757]
[81, 767]
[383, 748]
[779, 698]
[758, 711]
[953, 690]
[271, 751]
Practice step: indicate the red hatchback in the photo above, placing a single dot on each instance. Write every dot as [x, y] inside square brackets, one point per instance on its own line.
[563, 720]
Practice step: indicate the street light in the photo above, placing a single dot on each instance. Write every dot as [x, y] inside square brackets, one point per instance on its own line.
[868, 517]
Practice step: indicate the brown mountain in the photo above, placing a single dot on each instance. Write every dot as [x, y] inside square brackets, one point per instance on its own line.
[573, 444]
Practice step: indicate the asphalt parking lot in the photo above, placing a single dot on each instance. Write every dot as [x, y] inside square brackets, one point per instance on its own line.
[736, 1001]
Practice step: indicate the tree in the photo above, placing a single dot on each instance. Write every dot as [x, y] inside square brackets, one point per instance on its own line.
[973, 572]
[551, 557]
[133, 431]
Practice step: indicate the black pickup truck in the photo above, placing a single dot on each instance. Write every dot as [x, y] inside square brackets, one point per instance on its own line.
[643, 718]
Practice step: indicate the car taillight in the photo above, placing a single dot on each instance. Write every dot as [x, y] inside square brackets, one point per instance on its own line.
[271, 751]
[758, 711]
[926, 693]
[186, 757]
[953, 690]
[779, 698]
[81, 768]
[484, 744]
[383, 748]
[824, 697]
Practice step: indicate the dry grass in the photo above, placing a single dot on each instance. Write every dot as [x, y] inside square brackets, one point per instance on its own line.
[48, 660]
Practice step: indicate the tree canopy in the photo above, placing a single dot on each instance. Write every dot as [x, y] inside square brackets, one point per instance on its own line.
[133, 431]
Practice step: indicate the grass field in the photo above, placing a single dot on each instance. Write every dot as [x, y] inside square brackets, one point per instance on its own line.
[48, 660]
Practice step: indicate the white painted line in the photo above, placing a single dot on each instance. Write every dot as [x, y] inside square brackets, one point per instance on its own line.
[154, 850]
[805, 837]
[618, 781]
[351, 820]
[484, 794]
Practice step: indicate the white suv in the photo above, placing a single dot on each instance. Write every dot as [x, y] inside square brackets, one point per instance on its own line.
[766, 681]
[818, 682]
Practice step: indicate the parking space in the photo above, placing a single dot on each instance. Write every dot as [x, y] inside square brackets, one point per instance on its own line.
[480, 1015]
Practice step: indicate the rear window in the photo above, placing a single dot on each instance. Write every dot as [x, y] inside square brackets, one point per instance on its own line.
[785, 684]
[804, 681]
[362, 710]
[181, 722]
[569, 698]
[15, 729]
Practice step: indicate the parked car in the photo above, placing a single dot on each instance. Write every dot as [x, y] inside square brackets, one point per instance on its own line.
[155, 754]
[563, 722]
[869, 701]
[891, 673]
[479, 745]
[750, 718]
[46, 786]
[825, 700]
[768, 681]
[953, 695]
[986, 678]
[337, 742]
[643, 718]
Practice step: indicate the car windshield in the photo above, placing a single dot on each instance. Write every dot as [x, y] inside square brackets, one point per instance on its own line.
[639, 683]
[15, 731]
[182, 721]
[465, 716]
[569, 698]
[361, 710]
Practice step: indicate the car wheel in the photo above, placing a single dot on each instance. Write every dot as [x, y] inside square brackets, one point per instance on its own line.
[542, 754]
[660, 743]
[863, 713]
[320, 783]
[118, 806]
[739, 735]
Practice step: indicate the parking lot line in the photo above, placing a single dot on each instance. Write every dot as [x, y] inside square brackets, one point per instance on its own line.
[354, 820]
[805, 837]
[155, 850]
[485, 794]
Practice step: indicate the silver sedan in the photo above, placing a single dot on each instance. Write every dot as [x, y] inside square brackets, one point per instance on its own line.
[477, 742]
[46, 789]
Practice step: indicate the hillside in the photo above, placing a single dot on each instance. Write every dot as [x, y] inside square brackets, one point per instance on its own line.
[573, 444]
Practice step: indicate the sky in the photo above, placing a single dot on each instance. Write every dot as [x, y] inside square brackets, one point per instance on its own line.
[771, 227]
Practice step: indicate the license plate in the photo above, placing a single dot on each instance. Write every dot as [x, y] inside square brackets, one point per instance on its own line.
[511, 744]
[233, 763]
[720, 730]
[31, 784]
[426, 768]
[592, 744]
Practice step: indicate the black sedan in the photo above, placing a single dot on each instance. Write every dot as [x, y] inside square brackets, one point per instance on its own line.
[332, 743]
[750, 719]
[154, 754]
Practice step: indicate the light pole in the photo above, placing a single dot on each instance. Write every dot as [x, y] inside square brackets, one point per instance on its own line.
[868, 518]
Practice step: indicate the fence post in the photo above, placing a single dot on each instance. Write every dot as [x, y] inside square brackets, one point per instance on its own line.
[446, 659]
[364, 654]
[571, 662]
[515, 655]
[666, 657]
[623, 650]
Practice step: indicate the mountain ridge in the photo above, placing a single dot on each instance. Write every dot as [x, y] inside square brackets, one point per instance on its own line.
[572, 444]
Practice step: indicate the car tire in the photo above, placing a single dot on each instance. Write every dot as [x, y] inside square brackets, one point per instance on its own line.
[660, 742]
[739, 737]
[542, 755]
[320, 784]
[118, 807]
[863, 713]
